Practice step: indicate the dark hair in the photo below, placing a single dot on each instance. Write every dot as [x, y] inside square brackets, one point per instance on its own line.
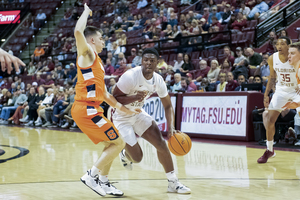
[151, 51]
[214, 17]
[226, 47]
[186, 80]
[295, 45]
[288, 40]
[246, 63]
[258, 77]
[91, 30]
[242, 75]
[188, 57]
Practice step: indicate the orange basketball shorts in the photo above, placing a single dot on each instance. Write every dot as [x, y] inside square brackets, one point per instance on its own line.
[91, 121]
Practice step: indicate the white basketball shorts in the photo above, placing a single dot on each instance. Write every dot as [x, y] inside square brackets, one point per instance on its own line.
[129, 126]
[281, 97]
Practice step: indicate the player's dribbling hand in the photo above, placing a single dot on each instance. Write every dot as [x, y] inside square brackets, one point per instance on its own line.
[266, 101]
[291, 105]
[88, 9]
[171, 132]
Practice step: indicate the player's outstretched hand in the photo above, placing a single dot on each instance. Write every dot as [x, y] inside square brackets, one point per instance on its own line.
[7, 60]
[88, 9]
[291, 105]
[266, 101]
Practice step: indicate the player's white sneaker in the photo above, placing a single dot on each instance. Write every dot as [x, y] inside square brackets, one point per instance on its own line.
[111, 189]
[177, 187]
[93, 183]
[125, 162]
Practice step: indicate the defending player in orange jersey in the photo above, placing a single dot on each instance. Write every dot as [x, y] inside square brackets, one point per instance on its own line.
[86, 112]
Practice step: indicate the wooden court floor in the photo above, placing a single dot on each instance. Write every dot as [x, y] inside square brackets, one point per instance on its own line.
[47, 164]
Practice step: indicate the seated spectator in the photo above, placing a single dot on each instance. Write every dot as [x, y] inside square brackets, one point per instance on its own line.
[205, 14]
[239, 24]
[120, 71]
[40, 17]
[182, 19]
[240, 57]
[260, 7]
[112, 59]
[242, 68]
[202, 73]
[17, 117]
[38, 52]
[13, 88]
[39, 80]
[49, 82]
[213, 72]
[56, 46]
[169, 31]
[57, 63]
[270, 48]
[228, 55]
[231, 83]
[133, 55]
[225, 67]
[75, 14]
[241, 80]
[244, 10]
[68, 14]
[112, 85]
[67, 46]
[175, 34]
[217, 36]
[214, 14]
[169, 76]
[47, 102]
[187, 65]
[123, 40]
[177, 85]
[215, 23]
[6, 95]
[121, 60]
[18, 98]
[226, 15]
[178, 63]
[190, 79]
[263, 70]
[190, 16]
[222, 85]
[58, 73]
[173, 20]
[109, 69]
[255, 59]
[161, 63]
[20, 83]
[66, 113]
[185, 85]
[119, 49]
[257, 79]
[137, 61]
[72, 73]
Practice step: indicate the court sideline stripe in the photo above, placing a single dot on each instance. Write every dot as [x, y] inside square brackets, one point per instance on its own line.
[191, 179]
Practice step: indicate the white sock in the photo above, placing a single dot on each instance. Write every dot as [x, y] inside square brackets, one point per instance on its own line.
[270, 145]
[171, 176]
[94, 171]
[104, 178]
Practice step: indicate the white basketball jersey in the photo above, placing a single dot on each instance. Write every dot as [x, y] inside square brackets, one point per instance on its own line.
[133, 80]
[286, 74]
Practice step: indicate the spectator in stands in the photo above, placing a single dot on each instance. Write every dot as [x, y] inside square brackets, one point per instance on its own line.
[257, 79]
[20, 83]
[254, 58]
[178, 63]
[205, 14]
[244, 10]
[47, 101]
[59, 107]
[112, 85]
[187, 65]
[260, 7]
[39, 80]
[67, 46]
[270, 48]
[173, 20]
[137, 61]
[203, 26]
[142, 4]
[67, 111]
[13, 88]
[284, 33]
[240, 57]
[38, 52]
[109, 69]
[6, 95]
[190, 79]
[161, 63]
[228, 55]
[121, 60]
[177, 84]
[225, 67]
[72, 73]
[263, 70]
[241, 80]
[185, 85]
[57, 63]
[182, 19]
[143, 19]
[56, 46]
[204, 69]
[119, 49]
[18, 98]
[41, 17]
[238, 25]
[120, 71]
[242, 68]
[75, 14]
[215, 22]
[222, 85]
[214, 14]
[169, 31]
[216, 37]
[231, 83]
[68, 14]
[49, 82]
[112, 59]
[58, 73]
[213, 72]
[132, 56]
[226, 15]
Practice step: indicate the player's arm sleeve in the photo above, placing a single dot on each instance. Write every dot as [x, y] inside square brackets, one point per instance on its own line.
[126, 82]
[162, 90]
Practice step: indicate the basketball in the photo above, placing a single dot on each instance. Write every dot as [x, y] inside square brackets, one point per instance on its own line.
[180, 144]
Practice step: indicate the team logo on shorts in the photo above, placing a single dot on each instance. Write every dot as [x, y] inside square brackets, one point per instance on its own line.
[111, 133]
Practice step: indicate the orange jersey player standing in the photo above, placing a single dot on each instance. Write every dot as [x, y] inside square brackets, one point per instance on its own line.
[86, 111]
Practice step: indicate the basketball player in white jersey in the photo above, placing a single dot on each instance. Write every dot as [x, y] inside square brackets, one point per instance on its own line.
[132, 89]
[286, 88]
